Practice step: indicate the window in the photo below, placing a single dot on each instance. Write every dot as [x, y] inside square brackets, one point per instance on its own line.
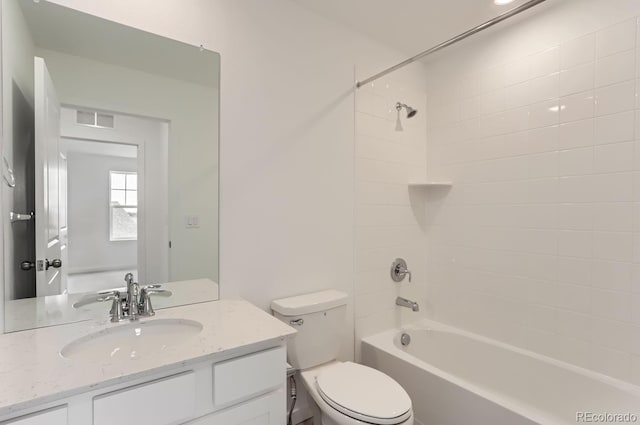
[123, 206]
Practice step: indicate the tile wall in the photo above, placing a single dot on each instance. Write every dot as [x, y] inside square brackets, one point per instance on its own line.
[389, 217]
[538, 242]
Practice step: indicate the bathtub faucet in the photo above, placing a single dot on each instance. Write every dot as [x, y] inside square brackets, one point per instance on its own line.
[403, 302]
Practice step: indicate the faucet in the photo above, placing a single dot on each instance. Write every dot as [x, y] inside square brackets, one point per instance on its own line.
[134, 303]
[132, 296]
[403, 302]
[399, 270]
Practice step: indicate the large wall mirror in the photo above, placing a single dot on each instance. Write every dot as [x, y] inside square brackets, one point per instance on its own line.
[110, 164]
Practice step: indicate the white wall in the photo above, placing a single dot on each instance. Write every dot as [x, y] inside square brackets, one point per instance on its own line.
[88, 214]
[390, 218]
[538, 242]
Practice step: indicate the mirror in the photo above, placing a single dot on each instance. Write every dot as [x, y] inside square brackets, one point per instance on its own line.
[110, 164]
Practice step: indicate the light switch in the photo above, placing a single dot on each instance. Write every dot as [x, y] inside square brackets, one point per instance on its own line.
[191, 221]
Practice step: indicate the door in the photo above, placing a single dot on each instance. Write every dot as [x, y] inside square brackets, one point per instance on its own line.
[49, 268]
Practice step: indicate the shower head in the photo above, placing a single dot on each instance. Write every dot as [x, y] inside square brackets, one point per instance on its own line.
[411, 112]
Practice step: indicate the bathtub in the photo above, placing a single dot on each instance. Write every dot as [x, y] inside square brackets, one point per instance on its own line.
[459, 378]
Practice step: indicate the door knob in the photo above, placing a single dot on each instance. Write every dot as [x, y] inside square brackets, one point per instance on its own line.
[56, 264]
[27, 265]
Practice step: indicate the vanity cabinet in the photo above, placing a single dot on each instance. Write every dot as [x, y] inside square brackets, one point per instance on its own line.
[243, 390]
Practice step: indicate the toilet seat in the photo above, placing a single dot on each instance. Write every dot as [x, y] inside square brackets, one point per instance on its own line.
[364, 394]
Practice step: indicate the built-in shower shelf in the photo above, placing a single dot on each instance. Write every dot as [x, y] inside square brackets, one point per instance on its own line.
[430, 184]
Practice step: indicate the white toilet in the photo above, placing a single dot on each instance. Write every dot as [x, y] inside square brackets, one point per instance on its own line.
[346, 393]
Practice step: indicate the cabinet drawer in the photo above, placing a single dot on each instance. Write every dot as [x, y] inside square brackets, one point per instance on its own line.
[164, 402]
[55, 416]
[248, 376]
[266, 410]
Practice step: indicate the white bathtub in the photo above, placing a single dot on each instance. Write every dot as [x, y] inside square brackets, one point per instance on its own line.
[458, 378]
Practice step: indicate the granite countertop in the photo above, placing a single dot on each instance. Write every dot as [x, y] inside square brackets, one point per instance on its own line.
[33, 372]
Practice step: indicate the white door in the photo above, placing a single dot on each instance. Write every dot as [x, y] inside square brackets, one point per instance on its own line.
[47, 172]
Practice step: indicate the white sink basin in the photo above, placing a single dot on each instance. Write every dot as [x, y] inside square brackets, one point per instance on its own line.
[133, 340]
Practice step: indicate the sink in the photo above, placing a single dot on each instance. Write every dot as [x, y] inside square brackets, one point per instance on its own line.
[132, 341]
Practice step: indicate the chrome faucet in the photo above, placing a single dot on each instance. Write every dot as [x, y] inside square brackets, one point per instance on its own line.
[132, 296]
[399, 270]
[403, 302]
[134, 303]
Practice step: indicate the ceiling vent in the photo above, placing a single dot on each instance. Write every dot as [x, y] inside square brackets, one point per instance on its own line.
[95, 119]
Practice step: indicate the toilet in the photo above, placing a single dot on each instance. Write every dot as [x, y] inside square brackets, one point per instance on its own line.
[346, 393]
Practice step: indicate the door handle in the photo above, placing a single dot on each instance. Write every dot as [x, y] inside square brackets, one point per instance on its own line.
[56, 264]
[27, 265]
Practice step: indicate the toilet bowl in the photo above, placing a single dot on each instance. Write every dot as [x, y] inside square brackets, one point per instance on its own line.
[352, 394]
[345, 393]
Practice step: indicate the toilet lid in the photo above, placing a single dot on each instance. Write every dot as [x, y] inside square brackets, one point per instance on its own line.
[364, 393]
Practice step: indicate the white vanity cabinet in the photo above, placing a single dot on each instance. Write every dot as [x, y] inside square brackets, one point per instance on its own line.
[243, 390]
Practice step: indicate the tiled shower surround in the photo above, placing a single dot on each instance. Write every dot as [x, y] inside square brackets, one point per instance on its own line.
[538, 242]
[390, 220]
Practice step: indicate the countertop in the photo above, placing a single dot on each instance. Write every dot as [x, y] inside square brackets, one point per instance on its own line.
[33, 372]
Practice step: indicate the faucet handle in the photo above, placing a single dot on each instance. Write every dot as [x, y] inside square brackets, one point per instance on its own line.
[145, 308]
[116, 307]
[399, 270]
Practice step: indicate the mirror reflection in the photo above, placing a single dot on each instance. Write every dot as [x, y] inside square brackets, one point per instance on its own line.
[110, 164]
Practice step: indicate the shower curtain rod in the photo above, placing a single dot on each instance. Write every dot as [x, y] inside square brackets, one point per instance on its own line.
[506, 15]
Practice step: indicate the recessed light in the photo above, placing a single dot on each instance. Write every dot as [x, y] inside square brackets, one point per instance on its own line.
[502, 2]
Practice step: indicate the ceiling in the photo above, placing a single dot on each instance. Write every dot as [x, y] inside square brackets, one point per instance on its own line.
[409, 26]
[68, 31]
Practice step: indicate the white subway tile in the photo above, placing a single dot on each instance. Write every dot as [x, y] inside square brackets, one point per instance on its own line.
[572, 243]
[616, 98]
[615, 128]
[616, 38]
[611, 305]
[574, 270]
[576, 162]
[615, 246]
[544, 114]
[544, 88]
[612, 275]
[577, 79]
[576, 134]
[517, 71]
[575, 216]
[517, 95]
[578, 51]
[544, 63]
[577, 107]
[613, 158]
[613, 216]
[616, 68]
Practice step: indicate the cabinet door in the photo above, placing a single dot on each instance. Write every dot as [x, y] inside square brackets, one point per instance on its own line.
[266, 410]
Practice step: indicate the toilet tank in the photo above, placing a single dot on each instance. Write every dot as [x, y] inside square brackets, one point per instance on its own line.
[320, 319]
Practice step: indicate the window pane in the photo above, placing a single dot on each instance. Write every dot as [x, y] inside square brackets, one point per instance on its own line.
[132, 197]
[124, 223]
[117, 181]
[118, 197]
[132, 182]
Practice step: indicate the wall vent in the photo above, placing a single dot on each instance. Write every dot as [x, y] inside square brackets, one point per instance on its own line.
[95, 119]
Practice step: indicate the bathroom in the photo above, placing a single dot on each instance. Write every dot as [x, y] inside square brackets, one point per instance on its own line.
[512, 195]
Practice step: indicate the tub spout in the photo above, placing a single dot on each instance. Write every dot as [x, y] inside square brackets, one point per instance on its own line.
[403, 302]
